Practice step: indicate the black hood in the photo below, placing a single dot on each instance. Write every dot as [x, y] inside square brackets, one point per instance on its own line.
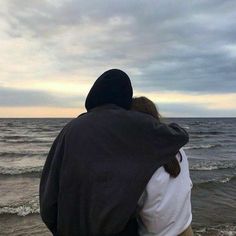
[112, 87]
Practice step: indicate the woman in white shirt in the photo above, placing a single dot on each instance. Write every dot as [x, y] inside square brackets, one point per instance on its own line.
[165, 206]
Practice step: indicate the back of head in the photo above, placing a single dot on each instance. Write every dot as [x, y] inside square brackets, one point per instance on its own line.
[145, 105]
[112, 87]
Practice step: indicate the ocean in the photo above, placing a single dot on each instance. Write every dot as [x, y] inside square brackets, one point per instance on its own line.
[24, 144]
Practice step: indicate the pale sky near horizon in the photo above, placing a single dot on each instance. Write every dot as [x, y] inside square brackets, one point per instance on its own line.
[180, 54]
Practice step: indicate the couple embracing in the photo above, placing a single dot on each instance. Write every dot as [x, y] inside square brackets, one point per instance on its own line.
[117, 170]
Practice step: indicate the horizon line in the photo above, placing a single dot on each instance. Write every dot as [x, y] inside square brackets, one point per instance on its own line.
[218, 117]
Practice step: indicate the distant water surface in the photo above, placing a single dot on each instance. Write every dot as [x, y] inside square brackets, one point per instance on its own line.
[24, 144]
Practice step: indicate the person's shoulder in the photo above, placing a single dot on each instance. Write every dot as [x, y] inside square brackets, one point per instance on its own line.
[74, 121]
[183, 154]
[129, 117]
[141, 117]
[184, 163]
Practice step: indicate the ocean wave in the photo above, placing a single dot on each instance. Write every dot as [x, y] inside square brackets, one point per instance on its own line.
[20, 170]
[207, 146]
[197, 136]
[227, 179]
[208, 166]
[218, 230]
[211, 182]
[20, 141]
[199, 167]
[9, 124]
[22, 154]
[26, 139]
[15, 154]
[31, 207]
[13, 136]
[207, 132]
[41, 129]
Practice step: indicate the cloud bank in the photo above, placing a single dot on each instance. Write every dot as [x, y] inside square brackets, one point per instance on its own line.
[185, 47]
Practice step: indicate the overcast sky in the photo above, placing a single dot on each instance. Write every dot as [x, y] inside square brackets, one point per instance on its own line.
[181, 54]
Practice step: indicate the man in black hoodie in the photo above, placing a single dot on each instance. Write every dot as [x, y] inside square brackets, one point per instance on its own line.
[101, 161]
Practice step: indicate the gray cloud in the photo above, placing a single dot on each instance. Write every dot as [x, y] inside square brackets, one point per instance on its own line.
[193, 110]
[163, 45]
[27, 98]
[18, 98]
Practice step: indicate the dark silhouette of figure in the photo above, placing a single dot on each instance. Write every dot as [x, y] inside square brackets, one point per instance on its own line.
[100, 163]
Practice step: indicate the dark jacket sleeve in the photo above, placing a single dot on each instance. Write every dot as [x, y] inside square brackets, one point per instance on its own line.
[179, 135]
[169, 139]
[49, 184]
